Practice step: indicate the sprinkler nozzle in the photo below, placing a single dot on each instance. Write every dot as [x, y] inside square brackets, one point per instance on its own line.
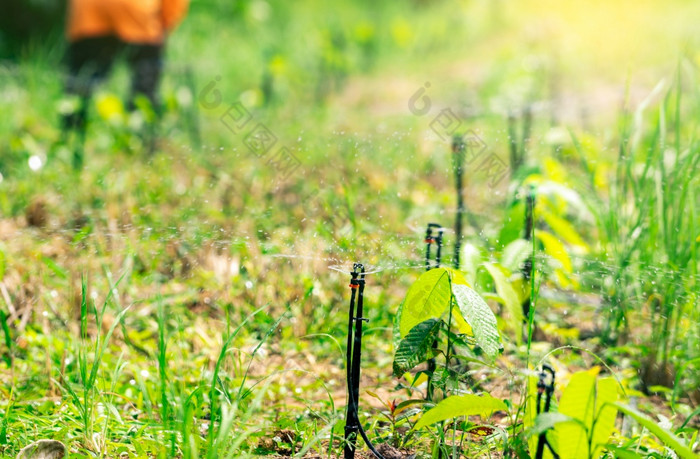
[357, 275]
[544, 386]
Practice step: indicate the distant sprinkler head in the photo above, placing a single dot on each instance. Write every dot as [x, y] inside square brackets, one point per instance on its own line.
[358, 269]
[543, 383]
[429, 238]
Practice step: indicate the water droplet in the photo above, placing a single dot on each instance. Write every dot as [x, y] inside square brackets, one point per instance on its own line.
[35, 163]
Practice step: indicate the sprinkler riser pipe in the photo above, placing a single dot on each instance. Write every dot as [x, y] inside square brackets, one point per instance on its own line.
[529, 234]
[354, 356]
[458, 152]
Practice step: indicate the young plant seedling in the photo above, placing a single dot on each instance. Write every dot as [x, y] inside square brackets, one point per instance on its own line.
[429, 241]
[441, 304]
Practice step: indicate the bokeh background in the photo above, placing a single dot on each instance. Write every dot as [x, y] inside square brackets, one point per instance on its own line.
[202, 233]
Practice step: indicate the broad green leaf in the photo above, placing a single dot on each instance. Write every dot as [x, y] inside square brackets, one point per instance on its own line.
[403, 406]
[471, 258]
[606, 391]
[493, 297]
[480, 317]
[510, 298]
[514, 224]
[531, 412]
[458, 321]
[554, 170]
[416, 346]
[457, 277]
[564, 230]
[621, 453]
[515, 254]
[559, 197]
[462, 405]
[578, 402]
[522, 288]
[428, 298]
[546, 421]
[420, 378]
[555, 249]
[664, 435]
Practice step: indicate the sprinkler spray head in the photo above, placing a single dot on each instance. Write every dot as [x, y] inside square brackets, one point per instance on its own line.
[431, 239]
[545, 386]
[357, 275]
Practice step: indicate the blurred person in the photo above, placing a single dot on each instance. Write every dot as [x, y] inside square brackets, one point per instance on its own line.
[100, 31]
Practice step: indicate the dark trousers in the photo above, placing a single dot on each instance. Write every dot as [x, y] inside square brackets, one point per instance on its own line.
[90, 61]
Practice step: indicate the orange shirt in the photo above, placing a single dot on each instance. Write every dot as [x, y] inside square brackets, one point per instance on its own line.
[134, 21]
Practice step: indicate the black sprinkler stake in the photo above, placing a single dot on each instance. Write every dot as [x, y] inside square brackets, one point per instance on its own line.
[353, 358]
[351, 419]
[429, 241]
[438, 254]
[529, 234]
[458, 148]
[357, 345]
[546, 388]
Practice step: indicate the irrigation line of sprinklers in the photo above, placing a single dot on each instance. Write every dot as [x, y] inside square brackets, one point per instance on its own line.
[433, 235]
[546, 380]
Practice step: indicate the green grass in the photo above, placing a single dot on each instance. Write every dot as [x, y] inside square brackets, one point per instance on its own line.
[182, 305]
